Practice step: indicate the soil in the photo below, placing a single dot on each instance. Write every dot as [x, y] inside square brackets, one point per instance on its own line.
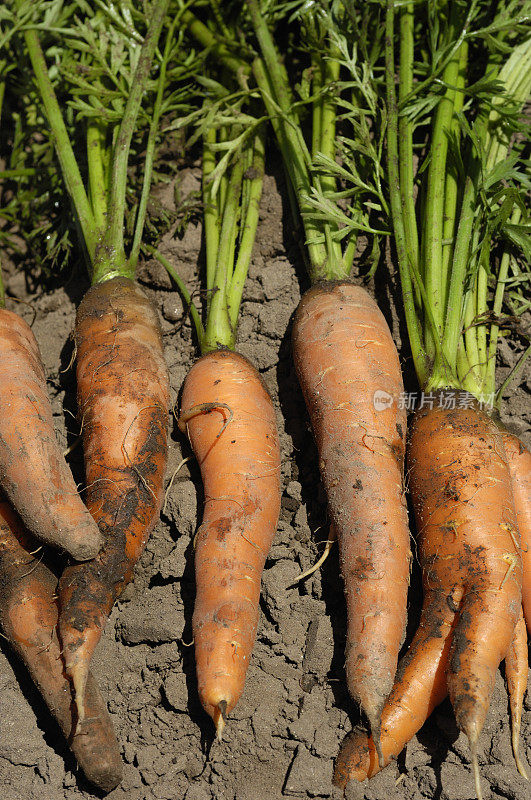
[283, 736]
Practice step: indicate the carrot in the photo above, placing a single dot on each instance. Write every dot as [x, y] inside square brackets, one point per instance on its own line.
[349, 373]
[516, 669]
[123, 384]
[519, 460]
[232, 429]
[28, 618]
[123, 400]
[33, 471]
[464, 508]
[421, 686]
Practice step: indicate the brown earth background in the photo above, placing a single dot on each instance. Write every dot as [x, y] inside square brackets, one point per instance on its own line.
[282, 738]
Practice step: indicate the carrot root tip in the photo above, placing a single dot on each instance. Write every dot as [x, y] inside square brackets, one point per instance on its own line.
[475, 766]
[518, 761]
[220, 717]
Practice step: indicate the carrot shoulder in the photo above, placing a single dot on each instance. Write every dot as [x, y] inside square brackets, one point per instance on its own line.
[28, 618]
[123, 402]
[33, 471]
[232, 429]
[349, 372]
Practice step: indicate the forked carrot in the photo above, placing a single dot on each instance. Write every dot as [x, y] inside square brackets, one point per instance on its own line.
[349, 372]
[28, 618]
[421, 686]
[33, 471]
[464, 508]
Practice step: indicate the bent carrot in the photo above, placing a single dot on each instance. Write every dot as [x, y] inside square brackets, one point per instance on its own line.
[349, 372]
[123, 403]
[231, 424]
[519, 460]
[28, 618]
[33, 472]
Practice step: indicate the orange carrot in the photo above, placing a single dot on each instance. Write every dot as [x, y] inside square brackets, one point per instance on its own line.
[28, 618]
[349, 372]
[516, 669]
[421, 686]
[461, 488]
[123, 402]
[519, 460]
[470, 556]
[231, 424]
[33, 472]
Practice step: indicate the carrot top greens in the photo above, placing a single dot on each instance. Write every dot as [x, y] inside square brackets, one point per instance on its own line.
[337, 199]
[471, 200]
[115, 88]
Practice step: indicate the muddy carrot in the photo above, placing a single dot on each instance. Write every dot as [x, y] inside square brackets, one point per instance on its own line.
[229, 417]
[28, 618]
[123, 385]
[33, 471]
[349, 372]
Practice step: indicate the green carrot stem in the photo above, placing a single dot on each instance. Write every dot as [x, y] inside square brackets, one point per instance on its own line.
[111, 259]
[490, 380]
[297, 163]
[454, 308]
[63, 147]
[183, 291]
[97, 183]
[327, 146]
[413, 326]
[150, 149]
[405, 133]
[431, 250]
[219, 331]
[451, 188]
[317, 105]
[211, 219]
[249, 223]
[204, 36]
[275, 67]
[481, 313]
[23, 172]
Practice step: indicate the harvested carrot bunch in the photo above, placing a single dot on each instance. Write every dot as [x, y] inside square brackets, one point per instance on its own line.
[228, 415]
[122, 378]
[470, 503]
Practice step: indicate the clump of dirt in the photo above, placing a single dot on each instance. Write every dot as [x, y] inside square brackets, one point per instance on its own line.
[284, 734]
